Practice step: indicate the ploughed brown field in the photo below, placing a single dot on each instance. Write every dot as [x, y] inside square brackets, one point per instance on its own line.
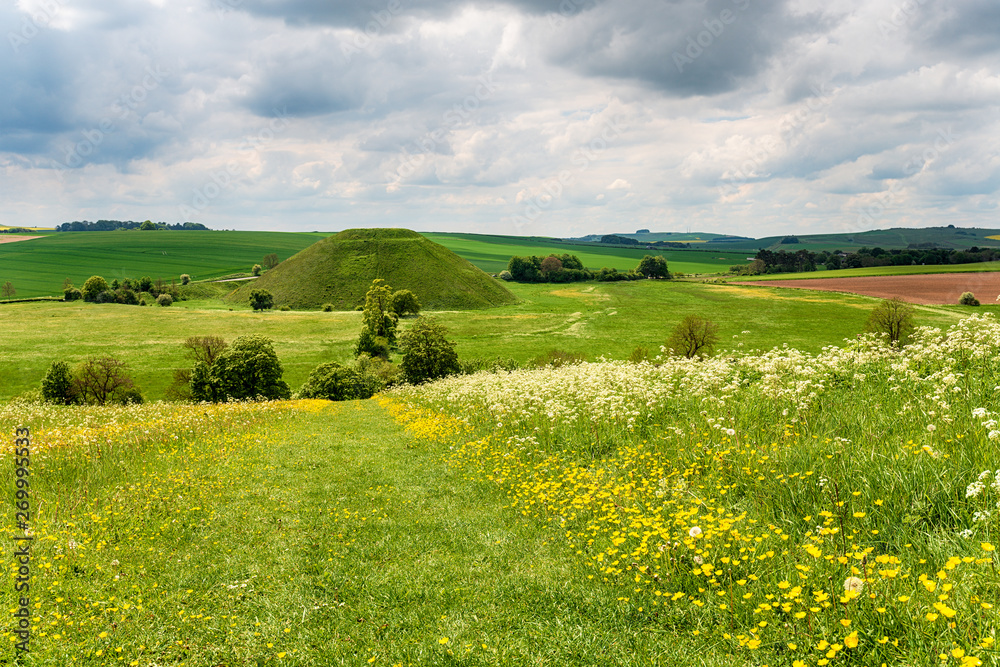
[11, 238]
[930, 289]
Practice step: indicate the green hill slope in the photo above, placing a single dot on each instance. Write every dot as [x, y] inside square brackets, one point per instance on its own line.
[339, 270]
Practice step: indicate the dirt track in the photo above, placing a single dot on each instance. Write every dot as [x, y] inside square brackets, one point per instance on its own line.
[931, 289]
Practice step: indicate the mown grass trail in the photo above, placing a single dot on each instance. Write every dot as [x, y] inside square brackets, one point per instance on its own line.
[297, 534]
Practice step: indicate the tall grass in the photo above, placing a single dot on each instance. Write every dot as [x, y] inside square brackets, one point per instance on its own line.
[803, 509]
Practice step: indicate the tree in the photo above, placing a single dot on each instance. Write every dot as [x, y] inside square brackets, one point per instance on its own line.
[255, 271]
[653, 266]
[102, 380]
[261, 299]
[8, 290]
[93, 287]
[247, 369]
[893, 317]
[205, 349]
[334, 383]
[148, 225]
[404, 302]
[164, 300]
[378, 330]
[550, 265]
[57, 385]
[270, 261]
[427, 353]
[694, 336]
[185, 279]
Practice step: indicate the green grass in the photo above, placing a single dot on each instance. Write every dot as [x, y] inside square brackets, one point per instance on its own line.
[492, 253]
[878, 271]
[282, 536]
[592, 319]
[943, 237]
[340, 269]
[38, 267]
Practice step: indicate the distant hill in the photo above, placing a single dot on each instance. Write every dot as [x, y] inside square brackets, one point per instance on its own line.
[340, 268]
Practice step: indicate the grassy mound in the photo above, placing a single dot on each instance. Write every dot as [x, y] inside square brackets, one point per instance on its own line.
[339, 269]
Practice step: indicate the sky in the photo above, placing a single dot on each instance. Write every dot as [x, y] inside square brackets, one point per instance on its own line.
[529, 117]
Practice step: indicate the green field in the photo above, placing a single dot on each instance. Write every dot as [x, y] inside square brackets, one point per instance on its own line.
[978, 267]
[591, 319]
[38, 267]
[491, 253]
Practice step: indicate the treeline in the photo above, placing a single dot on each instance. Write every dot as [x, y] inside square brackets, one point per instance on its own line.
[568, 268]
[769, 261]
[112, 225]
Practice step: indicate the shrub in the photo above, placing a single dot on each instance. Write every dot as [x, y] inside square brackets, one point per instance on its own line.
[57, 385]
[255, 270]
[127, 297]
[164, 300]
[261, 299]
[247, 369]
[102, 380]
[93, 287]
[427, 354]
[653, 266]
[327, 307]
[892, 317]
[72, 294]
[145, 284]
[639, 355]
[694, 336]
[557, 358]
[404, 302]
[334, 383]
[376, 373]
[185, 279]
[284, 308]
[968, 299]
[506, 275]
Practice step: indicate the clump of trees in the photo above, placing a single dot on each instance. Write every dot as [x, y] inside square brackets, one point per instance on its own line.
[113, 225]
[892, 318]
[96, 381]
[568, 268]
[248, 369]
[129, 291]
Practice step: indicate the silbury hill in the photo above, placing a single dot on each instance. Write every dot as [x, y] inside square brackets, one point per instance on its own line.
[339, 270]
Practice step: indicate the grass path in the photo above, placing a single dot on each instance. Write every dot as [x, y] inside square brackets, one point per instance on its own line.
[330, 538]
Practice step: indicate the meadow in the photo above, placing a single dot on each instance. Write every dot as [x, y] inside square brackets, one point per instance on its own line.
[592, 319]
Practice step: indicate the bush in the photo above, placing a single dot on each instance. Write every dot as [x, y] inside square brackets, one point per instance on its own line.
[57, 385]
[427, 354]
[639, 355]
[506, 275]
[247, 369]
[72, 294]
[261, 299]
[693, 337]
[404, 302]
[185, 279]
[327, 307]
[93, 288]
[557, 358]
[334, 383]
[284, 309]
[892, 317]
[103, 380]
[164, 300]
[376, 373]
[968, 299]
[653, 266]
[255, 271]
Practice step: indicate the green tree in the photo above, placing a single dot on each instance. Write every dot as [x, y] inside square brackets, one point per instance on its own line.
[261, 299]
[693, 337]
[57, 385]
[8, 290]
[255, 271]
[148, 225]
[427, 353]
[378, 330]
[653, 266]
[334, 383]
[404, 302]
[93, 287]
[247, 369]
[892, 317]
[270, 261]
